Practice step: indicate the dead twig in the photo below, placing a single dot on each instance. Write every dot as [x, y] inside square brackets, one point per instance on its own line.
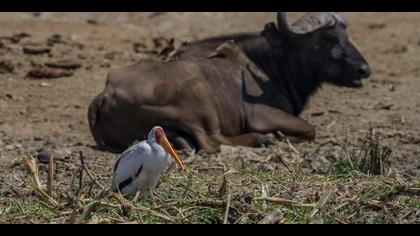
[50, 174]
[223, 188]
[285, 164]
[211, 203]
[43, 194]
[32, 168]
[155, 213]
[292, 147]
[264, 194]
[242, 218]
[337, 208]
[209, 168]
[79, 190]
[347, 155]
[225, 219]
[322, 202]
[92, 205]
[122, 200]
[92, 176]
[400, 190]
[285, 202]
[376, 205]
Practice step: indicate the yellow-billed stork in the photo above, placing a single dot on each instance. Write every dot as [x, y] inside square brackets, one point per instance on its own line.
[139, 168]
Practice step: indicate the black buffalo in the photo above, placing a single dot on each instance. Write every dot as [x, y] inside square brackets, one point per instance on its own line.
[234, 89]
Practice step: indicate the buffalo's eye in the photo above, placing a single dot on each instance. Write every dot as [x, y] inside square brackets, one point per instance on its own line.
[336, 52]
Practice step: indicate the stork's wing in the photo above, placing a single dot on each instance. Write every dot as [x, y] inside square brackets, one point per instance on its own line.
[129, 165]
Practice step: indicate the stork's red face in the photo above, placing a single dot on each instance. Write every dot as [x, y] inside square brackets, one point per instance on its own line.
[159, 134]
[161, 139]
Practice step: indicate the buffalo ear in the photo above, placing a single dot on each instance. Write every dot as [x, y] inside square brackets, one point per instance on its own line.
[273, 36]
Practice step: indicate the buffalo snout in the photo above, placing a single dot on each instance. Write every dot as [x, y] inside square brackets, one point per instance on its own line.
[364, 71]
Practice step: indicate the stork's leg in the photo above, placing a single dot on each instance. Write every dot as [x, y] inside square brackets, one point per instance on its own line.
[136, 196]
[154, 196]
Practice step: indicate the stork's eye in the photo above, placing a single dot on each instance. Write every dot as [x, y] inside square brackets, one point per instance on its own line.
[158, 135]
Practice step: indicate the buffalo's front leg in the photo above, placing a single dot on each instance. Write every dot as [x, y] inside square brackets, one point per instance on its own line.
[248, 140]
[265, 119]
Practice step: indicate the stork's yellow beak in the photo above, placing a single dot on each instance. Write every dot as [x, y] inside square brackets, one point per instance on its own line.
[168, 148]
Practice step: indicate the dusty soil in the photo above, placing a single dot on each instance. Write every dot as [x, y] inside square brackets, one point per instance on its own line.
[37, 113]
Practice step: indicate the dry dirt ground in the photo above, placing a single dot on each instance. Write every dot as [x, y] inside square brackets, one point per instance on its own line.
[52, 113]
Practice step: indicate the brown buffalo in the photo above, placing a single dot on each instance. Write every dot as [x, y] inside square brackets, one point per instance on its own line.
[236, 89]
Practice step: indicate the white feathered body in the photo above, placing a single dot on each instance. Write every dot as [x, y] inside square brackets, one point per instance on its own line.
[141, 166]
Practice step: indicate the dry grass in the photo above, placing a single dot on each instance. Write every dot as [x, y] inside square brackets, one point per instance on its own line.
[194, 198]
[357, 189]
